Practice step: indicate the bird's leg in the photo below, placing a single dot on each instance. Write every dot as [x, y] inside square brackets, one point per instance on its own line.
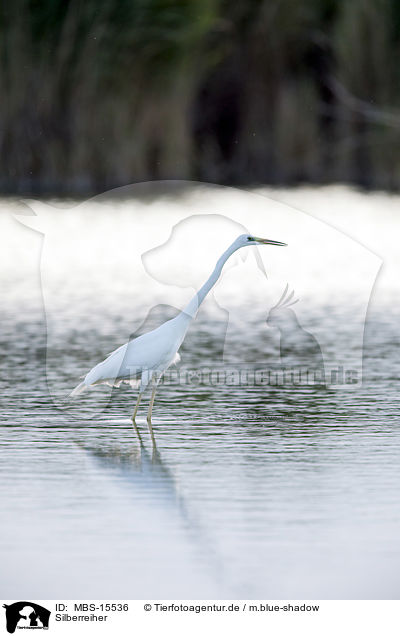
[153, 395]
[134, 416]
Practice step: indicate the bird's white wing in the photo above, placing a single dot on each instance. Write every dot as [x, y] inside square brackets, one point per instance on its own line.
[108, 368]
[154, 350]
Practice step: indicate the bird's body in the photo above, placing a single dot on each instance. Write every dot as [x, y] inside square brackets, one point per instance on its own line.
[144, 359]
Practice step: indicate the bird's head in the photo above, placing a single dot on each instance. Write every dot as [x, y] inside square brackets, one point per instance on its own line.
[246, 240]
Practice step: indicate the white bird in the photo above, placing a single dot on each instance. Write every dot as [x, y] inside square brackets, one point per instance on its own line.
[145, 359]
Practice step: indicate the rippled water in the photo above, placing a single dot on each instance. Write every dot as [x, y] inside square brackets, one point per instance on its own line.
[255, 490]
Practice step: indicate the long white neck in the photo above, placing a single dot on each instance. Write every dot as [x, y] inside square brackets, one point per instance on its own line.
[192, 307]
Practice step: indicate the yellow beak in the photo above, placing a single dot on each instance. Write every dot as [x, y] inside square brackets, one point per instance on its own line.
[268, 241]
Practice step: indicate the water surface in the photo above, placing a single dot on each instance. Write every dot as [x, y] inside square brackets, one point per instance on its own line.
[254, 491]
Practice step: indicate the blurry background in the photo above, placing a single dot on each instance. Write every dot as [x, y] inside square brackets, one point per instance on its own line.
[101, 93]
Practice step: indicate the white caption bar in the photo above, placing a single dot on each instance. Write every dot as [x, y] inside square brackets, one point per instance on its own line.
[178, 617]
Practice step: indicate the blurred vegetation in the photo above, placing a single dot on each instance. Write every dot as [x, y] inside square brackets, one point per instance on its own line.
[100, 93]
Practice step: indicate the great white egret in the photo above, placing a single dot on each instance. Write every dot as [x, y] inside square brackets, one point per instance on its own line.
[145, 359]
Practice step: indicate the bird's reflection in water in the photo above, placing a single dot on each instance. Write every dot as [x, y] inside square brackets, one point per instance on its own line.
[135, 459]
[148, 471]
[139, 466]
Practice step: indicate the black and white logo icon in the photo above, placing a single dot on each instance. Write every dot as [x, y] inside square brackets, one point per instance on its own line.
[26, 615]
